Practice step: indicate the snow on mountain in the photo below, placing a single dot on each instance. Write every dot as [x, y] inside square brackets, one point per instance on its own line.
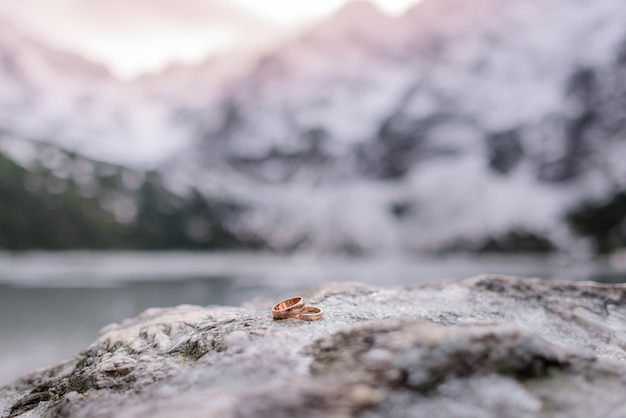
[463, 124]
[58, 97]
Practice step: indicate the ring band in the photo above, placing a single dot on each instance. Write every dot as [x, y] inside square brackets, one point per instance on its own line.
[310, 313]
[288, 308]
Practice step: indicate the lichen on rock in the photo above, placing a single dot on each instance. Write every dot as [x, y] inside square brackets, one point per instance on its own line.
[489, 346]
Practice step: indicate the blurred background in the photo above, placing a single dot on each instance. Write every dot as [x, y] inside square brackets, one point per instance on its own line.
[162, 152]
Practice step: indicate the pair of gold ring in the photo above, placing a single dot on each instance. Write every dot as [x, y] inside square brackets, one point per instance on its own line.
[295, 308]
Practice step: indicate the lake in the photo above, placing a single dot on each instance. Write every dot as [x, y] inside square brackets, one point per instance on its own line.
[53, 304]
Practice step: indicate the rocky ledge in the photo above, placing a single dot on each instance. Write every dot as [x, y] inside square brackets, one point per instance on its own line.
[489, 346]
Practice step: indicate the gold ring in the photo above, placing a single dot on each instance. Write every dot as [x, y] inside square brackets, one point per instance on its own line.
[310, 313]
[288, 308]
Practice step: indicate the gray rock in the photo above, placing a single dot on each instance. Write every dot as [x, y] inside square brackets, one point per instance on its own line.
[489, 346]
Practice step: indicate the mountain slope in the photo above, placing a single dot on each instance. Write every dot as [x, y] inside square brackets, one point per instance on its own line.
[55, 199]
[78, 105]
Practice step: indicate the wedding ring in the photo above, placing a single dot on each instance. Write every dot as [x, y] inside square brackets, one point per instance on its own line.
[288, 308]
[310, 313]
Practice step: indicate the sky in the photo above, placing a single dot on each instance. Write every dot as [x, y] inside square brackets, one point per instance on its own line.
[132, 37]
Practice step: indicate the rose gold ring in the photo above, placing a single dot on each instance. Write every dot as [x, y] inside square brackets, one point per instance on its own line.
[288, 308]
[310, 313]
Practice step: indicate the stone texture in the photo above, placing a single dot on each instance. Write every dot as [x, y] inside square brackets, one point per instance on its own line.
[489, 346]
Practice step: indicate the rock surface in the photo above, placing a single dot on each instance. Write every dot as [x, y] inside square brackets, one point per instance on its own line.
[489, 346]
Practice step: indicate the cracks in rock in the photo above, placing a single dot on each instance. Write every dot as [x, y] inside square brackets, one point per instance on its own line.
[31, 401]
[420, 356]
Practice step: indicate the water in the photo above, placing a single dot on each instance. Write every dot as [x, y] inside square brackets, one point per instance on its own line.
[53, 304]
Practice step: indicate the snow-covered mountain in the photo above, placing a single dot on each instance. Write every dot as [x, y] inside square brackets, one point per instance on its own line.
[462, 124]
[58, 97]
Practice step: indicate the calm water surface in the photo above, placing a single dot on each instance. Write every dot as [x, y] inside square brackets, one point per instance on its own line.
[53, 304]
